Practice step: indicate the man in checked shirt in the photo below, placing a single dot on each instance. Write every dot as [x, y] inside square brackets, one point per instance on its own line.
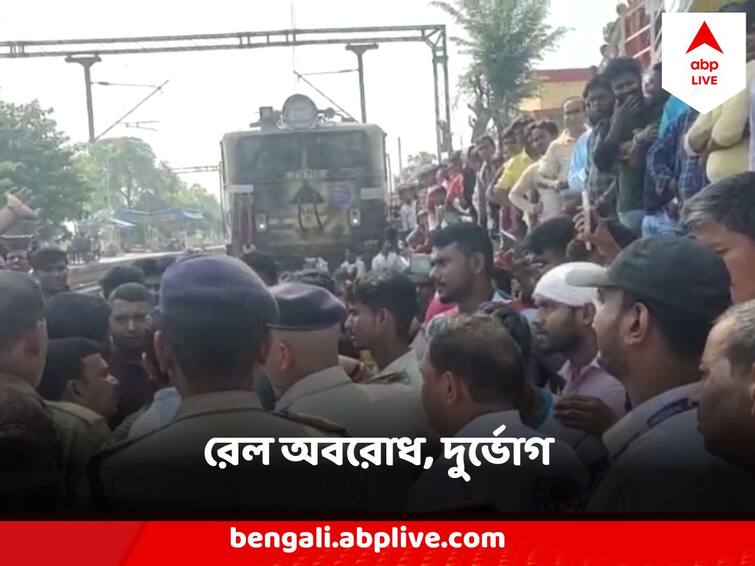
[673, 176]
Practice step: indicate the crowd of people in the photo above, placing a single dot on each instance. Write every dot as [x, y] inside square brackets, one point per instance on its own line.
[591, 282]
[631, 357]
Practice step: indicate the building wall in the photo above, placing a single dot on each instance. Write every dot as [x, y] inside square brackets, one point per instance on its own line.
[555, 86]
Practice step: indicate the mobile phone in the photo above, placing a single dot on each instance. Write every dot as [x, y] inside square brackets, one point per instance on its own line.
[587, 215]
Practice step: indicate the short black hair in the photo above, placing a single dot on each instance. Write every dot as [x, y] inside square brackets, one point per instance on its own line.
[517, 326]
[621, 65]
[385, 289]
[314, 277]
[21, 306]
[150, 266]
[552, 235]
[730, 202]
[684, 333]
[45, 257]
[470, 238]
[132, 293]
[596, 83]
[521, 122]
[483, 354]
[75, 315]
[64, 363]
[117, 276]
[548, 125]
[502, 279]
[509, 132]
[263, 265]
[214, 346]
[486, 139]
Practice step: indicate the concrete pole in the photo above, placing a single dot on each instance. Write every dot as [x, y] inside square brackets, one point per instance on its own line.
[359, 51]
[86, 61]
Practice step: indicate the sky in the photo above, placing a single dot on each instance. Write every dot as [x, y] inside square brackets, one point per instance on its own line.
[211, 93]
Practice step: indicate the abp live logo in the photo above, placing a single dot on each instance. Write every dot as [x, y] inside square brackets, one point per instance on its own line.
[704, 57]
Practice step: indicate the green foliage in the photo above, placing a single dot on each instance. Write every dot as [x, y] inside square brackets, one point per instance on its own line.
[505, 40]
[416, 164]
[197, 197]
[35, 154]
[124, 173]
[79, 182]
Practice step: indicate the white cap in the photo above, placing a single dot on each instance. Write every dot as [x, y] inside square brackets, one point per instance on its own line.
[553, 286]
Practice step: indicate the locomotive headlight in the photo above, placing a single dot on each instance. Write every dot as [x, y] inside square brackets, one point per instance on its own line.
[261, 223]
[299, 112]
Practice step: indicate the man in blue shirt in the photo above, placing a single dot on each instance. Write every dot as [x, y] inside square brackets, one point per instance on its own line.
[578, 167]
[672, 175]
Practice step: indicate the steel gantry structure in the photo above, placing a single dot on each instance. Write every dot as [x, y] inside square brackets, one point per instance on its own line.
[89, 51]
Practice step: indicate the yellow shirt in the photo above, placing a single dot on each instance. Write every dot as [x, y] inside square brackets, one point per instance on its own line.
[725, 125]
[512, 170]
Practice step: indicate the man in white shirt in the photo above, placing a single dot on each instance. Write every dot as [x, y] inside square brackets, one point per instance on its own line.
[555, 164]
[651, 332]
[388, 259]
[473, 375]
[382, 306]
[408, 209]
[353, 266]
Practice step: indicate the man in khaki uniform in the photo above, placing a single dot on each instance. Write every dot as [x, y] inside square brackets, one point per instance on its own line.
[214, 317]
[29, 474]
[80, 433]
[81, 394]
[303, 365]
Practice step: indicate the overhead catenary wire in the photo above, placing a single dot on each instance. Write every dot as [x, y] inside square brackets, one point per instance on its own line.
[325, 96]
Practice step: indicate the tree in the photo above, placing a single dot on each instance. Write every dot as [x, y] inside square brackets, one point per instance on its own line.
[416, 164]
[124, 173]
[35, 154]
[196, 197]
[505, 39]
